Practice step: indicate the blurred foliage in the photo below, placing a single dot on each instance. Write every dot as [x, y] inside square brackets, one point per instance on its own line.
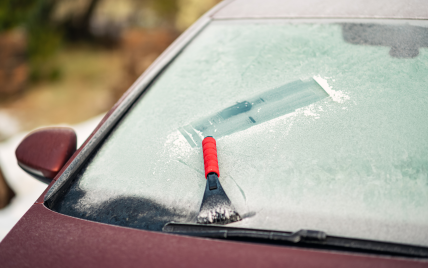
[43, 37]
[14, 12]
[45, 34]
[164, 8]
[156, 13]
[44, 40]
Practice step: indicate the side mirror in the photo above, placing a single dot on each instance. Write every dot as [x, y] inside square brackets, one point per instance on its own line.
[44, 152]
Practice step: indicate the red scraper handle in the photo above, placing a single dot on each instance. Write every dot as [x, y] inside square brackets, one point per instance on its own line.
[210, 156]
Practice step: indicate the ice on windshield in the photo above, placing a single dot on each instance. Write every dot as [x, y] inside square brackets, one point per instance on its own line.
[256, 110]
[353, 163]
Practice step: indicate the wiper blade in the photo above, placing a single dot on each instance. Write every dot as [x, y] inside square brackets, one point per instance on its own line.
[307, 238]
[216, 231]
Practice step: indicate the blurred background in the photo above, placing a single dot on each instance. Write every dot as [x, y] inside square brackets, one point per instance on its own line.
[66, 62]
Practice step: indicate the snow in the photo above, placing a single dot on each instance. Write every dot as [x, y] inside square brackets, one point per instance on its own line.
[337, 96]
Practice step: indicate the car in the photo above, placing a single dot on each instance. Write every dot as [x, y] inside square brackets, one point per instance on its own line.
[318, 109]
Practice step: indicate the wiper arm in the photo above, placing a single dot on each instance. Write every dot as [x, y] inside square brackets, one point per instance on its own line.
[214, 231]
[308, 238]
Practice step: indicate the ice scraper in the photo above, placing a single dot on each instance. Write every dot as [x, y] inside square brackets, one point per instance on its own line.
[216, 206]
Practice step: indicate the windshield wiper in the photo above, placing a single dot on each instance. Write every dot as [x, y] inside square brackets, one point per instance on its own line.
[305, 238]
[216, 231]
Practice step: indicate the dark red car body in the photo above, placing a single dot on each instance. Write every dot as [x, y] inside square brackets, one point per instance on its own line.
[44, 238]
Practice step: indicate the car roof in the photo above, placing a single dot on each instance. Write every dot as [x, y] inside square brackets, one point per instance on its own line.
[391, 9]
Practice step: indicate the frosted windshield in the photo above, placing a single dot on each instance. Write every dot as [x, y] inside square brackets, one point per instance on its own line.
[342, 147]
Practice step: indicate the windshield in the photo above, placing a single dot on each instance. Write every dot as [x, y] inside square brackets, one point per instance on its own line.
[318, 126]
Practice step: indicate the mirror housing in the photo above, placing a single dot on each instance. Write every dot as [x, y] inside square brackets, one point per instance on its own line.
[44, 152]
